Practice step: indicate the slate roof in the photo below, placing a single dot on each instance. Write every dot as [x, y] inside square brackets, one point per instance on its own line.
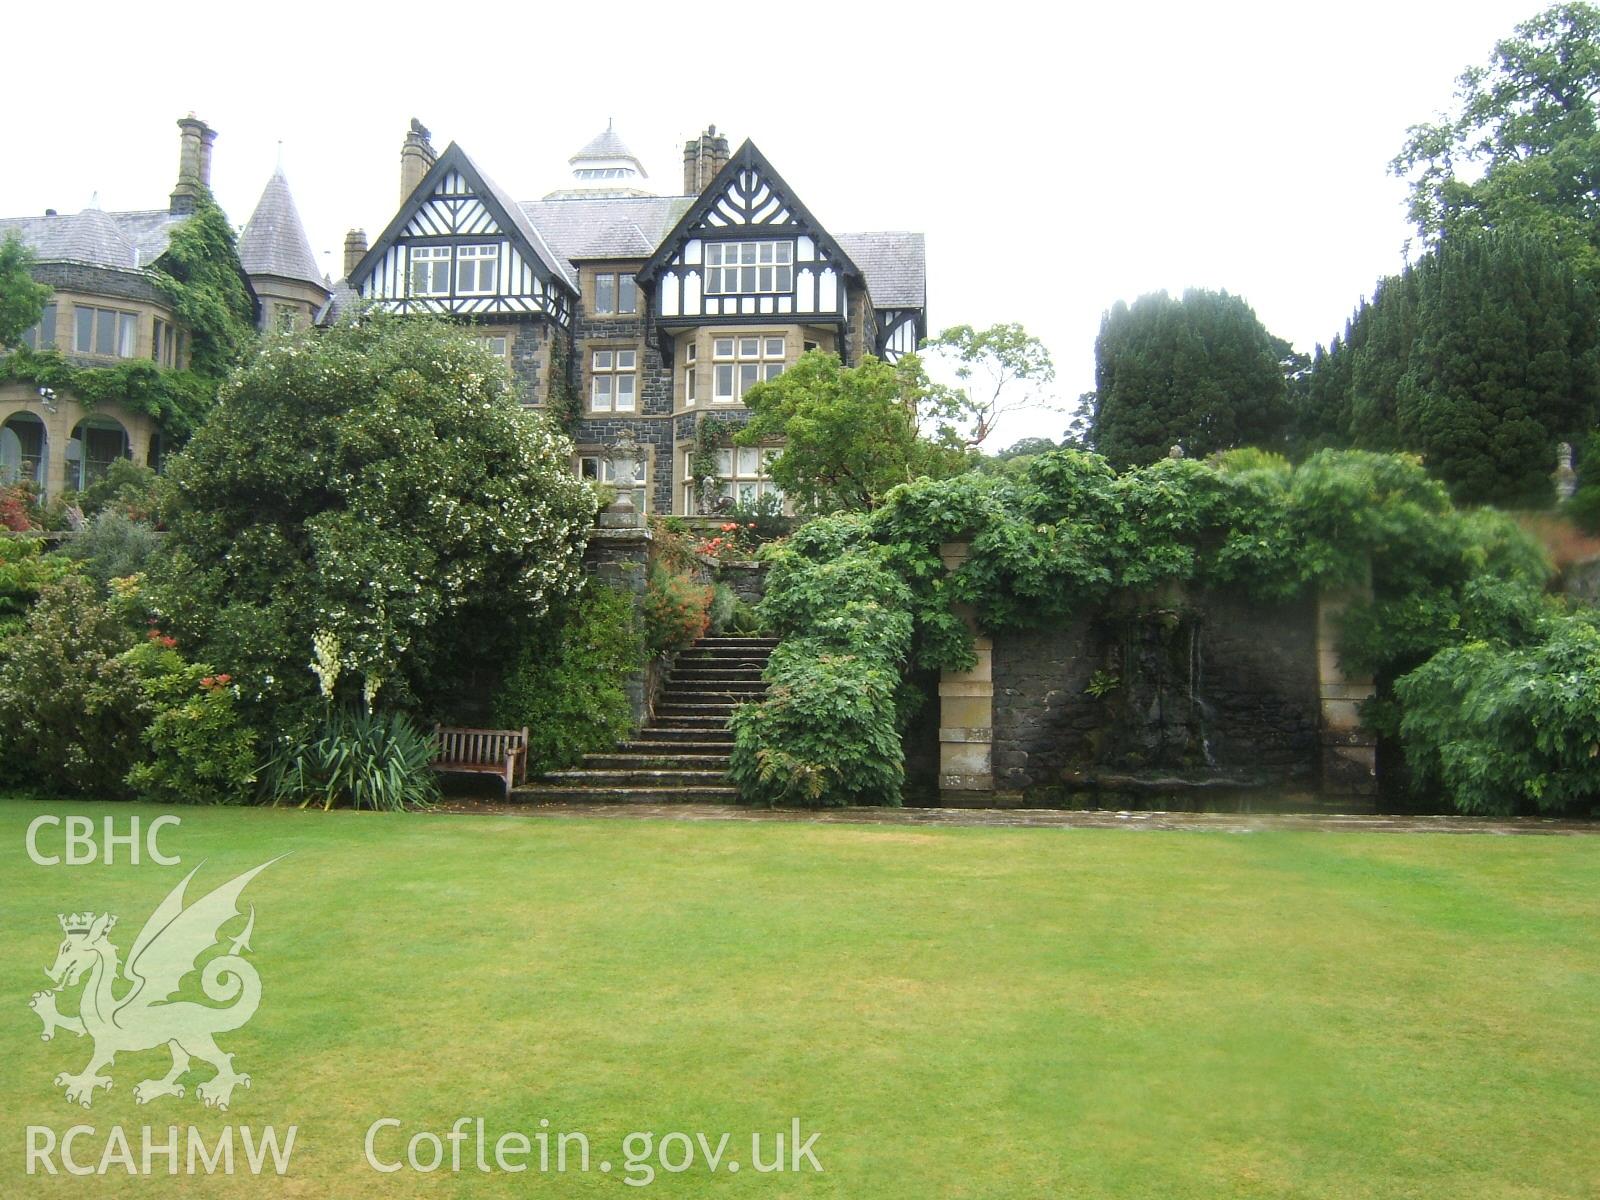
[127, 239]
[607, 145]
[894, 263]
[621, 227]
[274, 241]
[552, 261]
[341, 299]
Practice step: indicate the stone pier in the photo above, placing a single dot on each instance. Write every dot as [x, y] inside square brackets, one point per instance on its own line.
[966, 712]
[1349, 752]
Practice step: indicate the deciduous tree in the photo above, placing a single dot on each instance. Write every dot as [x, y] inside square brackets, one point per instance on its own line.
[1521, 147]
[849, 433]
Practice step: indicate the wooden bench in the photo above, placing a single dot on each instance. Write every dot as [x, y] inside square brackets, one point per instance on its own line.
[501, 752]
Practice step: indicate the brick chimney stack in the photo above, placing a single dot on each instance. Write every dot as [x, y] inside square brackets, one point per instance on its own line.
[355, 249]
[194, 163]
[703, 157]
[416, 156]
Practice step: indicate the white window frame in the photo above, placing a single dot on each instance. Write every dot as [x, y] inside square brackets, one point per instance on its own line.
[691, 376]
[613, 367]
[474, 261]
[748, 268]
[435, 258]
[742, 475]
[742, 360]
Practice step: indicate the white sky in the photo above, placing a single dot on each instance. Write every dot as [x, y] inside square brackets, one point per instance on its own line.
[1058, 159]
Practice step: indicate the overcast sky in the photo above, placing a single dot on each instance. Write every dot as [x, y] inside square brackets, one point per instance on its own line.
[1058, 159]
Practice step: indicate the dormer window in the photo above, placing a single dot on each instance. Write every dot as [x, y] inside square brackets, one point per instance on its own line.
[430, 270]
[749, 267]
[475, 270]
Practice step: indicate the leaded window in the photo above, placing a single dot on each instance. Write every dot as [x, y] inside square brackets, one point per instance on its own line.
[749, 267]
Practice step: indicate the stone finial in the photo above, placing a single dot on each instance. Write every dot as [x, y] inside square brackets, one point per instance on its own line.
[623, 456]
[1175, 452]
[1566, 478]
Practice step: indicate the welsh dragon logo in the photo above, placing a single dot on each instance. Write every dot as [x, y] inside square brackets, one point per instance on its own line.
[144, 1017]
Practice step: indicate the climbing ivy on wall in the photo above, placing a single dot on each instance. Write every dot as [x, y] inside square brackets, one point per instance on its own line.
[176, 400]
[202, 278]
[710, 435]
[1074, 534]
[201, 275]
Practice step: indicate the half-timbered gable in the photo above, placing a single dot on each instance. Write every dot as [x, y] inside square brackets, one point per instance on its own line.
[746, 252]
[648, 312]
[460, 246]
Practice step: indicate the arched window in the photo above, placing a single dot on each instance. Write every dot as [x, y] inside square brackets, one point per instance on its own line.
[96, 443]
[24, 446]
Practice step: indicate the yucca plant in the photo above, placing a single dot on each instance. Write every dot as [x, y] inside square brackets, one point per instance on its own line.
[359, 759]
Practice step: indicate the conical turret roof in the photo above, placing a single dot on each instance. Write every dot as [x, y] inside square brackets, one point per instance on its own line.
[274, 241]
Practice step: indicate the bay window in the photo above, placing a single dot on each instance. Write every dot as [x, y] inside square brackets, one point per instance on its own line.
[104, 332]
[739, 363]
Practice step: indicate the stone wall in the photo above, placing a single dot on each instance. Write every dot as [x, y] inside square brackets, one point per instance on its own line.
[1219, 688]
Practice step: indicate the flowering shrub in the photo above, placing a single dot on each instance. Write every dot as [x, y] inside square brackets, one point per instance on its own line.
[198, 749]
[73, 707]
[732, 542]
[677, 610]
[378, 482]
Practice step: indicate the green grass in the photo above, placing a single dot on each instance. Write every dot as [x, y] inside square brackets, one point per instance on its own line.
[959, 1012]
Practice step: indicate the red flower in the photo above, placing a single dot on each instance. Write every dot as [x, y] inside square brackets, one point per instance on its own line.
[207, 681]
[168, 642]
[224, 680]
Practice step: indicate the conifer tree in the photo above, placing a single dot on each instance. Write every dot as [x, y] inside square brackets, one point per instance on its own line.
[1201, 372]
[1481, 357]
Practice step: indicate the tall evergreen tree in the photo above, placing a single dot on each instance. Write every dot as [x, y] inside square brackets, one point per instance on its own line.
[1201, 372]
[1480, 357]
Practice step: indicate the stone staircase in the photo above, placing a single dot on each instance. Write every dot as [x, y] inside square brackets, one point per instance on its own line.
[681, 755]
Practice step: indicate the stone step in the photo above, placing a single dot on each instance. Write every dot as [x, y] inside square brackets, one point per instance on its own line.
[686, 748]
[562, 794]
[735, 665]
[703, 686]
[686, 709]
[651, 777]
[707, 721]
[687, 734]
[692, 672]
[660, 759]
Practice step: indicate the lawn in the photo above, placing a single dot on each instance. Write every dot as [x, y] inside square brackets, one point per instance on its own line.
[957, 1012]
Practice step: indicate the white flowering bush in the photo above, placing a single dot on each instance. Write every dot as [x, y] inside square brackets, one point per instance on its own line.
[378, 490]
